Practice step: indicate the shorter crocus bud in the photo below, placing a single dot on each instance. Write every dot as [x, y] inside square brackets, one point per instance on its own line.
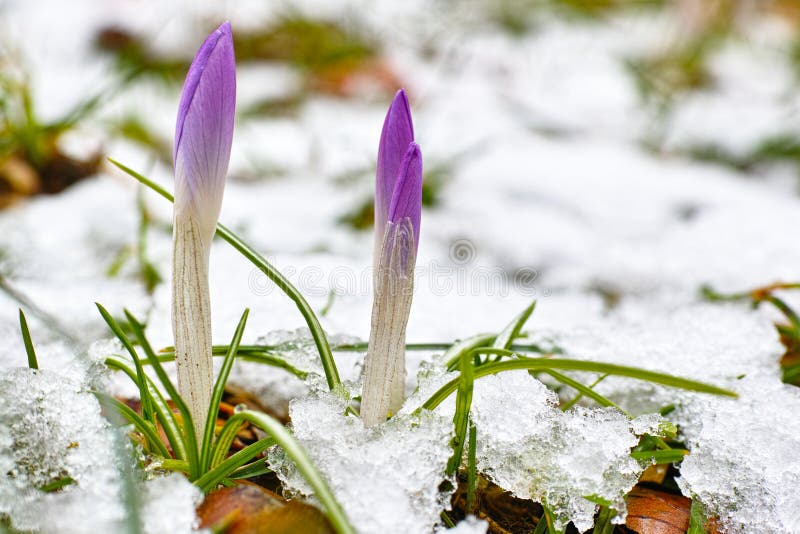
[384, 366]
[203, 137]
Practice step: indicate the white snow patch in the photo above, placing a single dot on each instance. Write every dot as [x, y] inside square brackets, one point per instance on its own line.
[386, 478]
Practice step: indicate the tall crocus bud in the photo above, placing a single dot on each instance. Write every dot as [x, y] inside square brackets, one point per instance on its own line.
[397, 134]
[399, 199]
[203, 137]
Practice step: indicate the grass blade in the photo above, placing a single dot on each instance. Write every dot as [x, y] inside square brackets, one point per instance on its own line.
[136, 420]
[144, 394]
[661, 456]
[461, 416]
[26, 339]
[453, 355]
[163, 411]
[584, 390]
[697, 519]
[522, 362]
[191, 448]
[254, 469]
[472, 469]
[567, 405]
[212, 478]
[219, 388]
[511, 332]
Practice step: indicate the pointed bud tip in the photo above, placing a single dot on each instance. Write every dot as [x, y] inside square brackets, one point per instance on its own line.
[407, 196]
[204, 127]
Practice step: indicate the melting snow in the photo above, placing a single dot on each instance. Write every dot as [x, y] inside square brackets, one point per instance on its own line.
[386, 477]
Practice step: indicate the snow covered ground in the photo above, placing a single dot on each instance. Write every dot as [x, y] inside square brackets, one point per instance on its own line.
[551, 193]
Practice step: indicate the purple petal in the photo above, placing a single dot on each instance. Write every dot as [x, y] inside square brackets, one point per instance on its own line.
[407, 195]
[204, 129]
[397, 133]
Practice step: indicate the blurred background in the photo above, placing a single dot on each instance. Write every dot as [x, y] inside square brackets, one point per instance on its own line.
[582, 152]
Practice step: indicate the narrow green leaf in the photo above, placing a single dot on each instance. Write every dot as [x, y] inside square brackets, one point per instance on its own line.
[453, 355]
[584, 390]
[511, 332]
[661, 456]
[541, 364]
[224, 440]
[472, 469]
[163, 411]
[461, 415]
[190, 445]
[249, 354]
[697, 519]
[603, 524]
[567, 405]
[219, 389]
[228, 468]
[254, 469]
[147, 403]
[26, 339]
[541, 526]
[174, 465]
[790, 314]
[446, 520]
[145, 427]
[283, 283]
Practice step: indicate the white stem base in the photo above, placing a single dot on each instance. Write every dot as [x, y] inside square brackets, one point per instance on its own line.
[385, 362]
[191, 320]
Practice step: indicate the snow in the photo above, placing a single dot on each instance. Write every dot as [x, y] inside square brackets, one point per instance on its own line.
[169, 505]
[51, 428]
[713, 343]
[551, 194]
[385, 477]
[744, 465]
[528, 446]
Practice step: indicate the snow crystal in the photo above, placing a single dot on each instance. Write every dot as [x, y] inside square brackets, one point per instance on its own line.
[169, 505]
[53, 430]
[386, 477]
[528, 446]
[744, 465]
[713, 343]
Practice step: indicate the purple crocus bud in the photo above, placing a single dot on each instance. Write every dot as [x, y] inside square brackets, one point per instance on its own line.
[407, 194]
[397, 134]
[203, 137]
[204, 129]
[395, 260]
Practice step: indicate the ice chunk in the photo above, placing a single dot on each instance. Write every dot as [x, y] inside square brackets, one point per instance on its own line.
[744, 465]
[385, 477]
[53, 429]
[528, 446]
[169, 505]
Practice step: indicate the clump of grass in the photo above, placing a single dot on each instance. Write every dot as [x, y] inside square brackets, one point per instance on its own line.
[31, 160]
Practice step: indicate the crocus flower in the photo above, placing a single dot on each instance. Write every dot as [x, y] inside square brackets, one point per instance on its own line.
[203, 136]
[398, 206]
